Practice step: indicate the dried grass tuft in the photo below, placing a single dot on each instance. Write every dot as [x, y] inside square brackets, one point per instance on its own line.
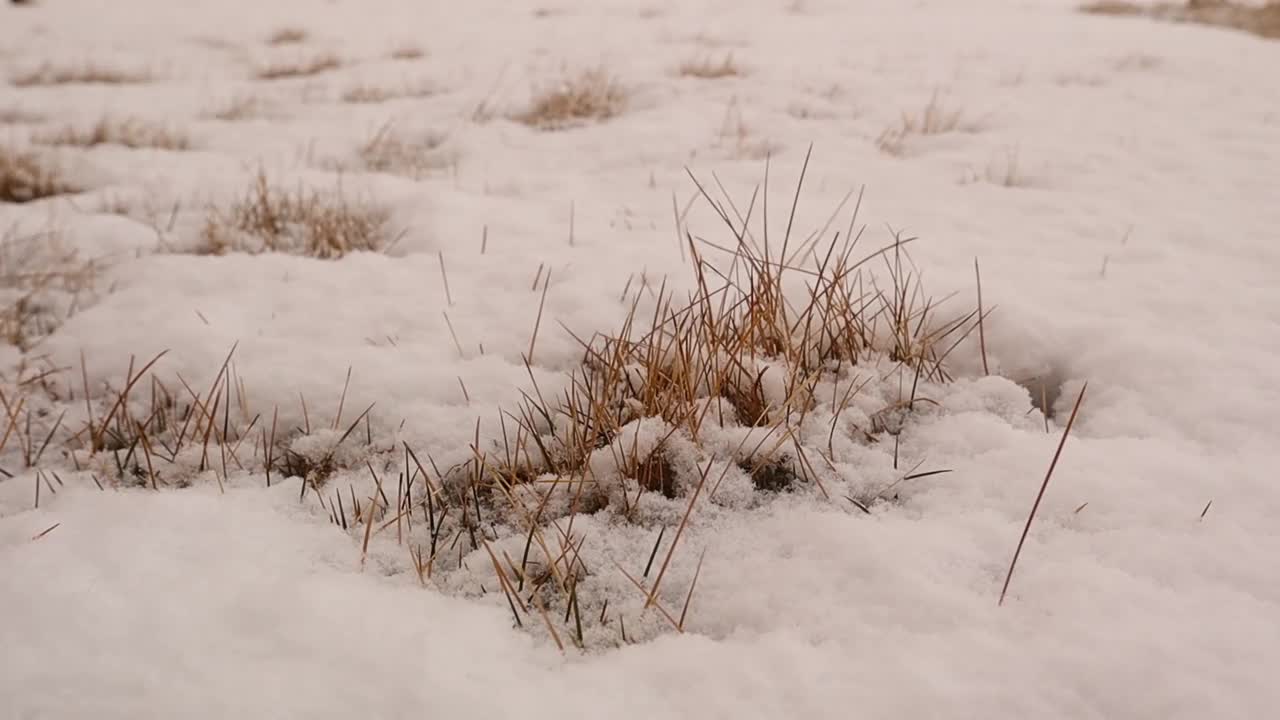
[86, 74]
[300, 222]
[369, 94]
[933, 119]
[306, 67]
[707, 69]
[398, 152]
[288, 36]
[42, 283]
[408, 52]
[1260, 20]
[592, 96]
[130, 133]
[26, 176]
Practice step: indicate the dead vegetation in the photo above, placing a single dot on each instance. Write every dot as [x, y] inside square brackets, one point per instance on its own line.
[408, 52]
[707, 69]
[323, 225]
[1261, 20]
[86, 74]
[240, 108]
[288, 36]
[591, 96]
[366, 93]
[299, 67]
[18, 116]
[26, 175]
[787, 359]
[129, 132]
[935, 118]
[42, 283]
[399, 152]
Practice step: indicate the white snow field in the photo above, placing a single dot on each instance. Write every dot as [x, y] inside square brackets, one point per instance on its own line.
[1117, 179]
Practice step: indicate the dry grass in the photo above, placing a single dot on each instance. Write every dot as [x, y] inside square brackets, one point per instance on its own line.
[933, 119]
[370, 94]
[42, 283]
[131, 133]
[592, 96]
[26, 176]
[239, 108]
[299, 222]
[408, 52]
[400, 153]
[307, 67]
[18, 116]
[86, 74]
[1263, 20]
[707, 69]
[288, 36]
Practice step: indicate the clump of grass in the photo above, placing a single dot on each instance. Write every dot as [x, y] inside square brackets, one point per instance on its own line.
[288, 36]
[18, 116]
[933, 119]
[399, 153]
[368, 94]
[707, 69]
[1261, 20]
[306, 67]
[592, 96]
[26, 176]
[299, 222]
[131, 133]
[42, 282]
[86, 74]
[239, 108]
[408, 52]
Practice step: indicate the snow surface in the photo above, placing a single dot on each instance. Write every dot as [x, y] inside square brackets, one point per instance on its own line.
[1138, 253]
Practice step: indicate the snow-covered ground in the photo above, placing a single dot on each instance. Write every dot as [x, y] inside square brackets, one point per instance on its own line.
[1118, 179]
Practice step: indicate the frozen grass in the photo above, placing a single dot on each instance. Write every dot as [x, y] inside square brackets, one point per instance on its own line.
[128, 132]
[288, 36]
[592, 96]
[299, 222]
[42, 282]
[1261, 20]
[366, 93]
[85, 74]
[26, 175]
[19, 116]
[707, 69]
[239, 108]
[399, 152]
[408, 52]
[935, 118]
[304, 67]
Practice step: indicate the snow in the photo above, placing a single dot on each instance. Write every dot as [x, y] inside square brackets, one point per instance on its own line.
[1136, 253]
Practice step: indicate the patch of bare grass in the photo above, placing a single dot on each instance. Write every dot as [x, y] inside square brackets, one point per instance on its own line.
[592, 96]
[302, 67]
[25, 175]
[935, 118]
[131, 133]
[19, 116]
[371, 94]
[407, 52]
[288, 36]
[398, 152]
[42, 282]
[86, 74]
[708, 69]
[239, 108]
[311, 223]
[1261, 20]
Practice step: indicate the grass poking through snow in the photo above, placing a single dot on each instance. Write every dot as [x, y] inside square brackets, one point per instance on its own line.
[26, 175]
[86, 74]
[592, 96]
[130, 133]
[299, 222]
[306, 67]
